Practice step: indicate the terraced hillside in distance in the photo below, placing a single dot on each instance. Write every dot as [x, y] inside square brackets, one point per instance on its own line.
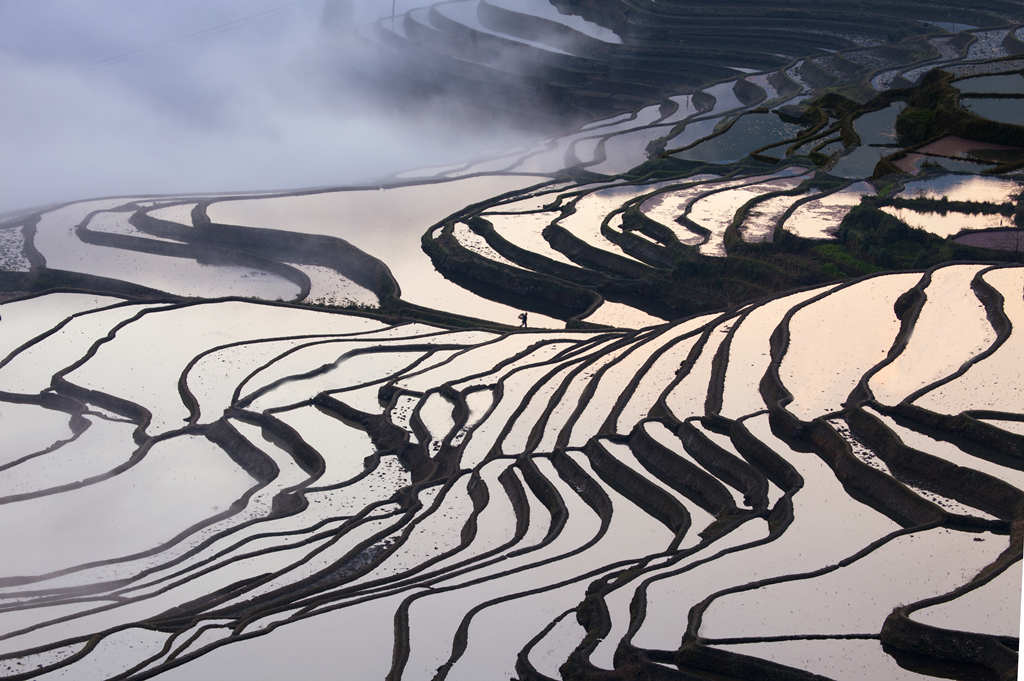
[763, 419]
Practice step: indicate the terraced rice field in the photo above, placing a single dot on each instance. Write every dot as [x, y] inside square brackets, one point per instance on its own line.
[751, 426]
[422, 494]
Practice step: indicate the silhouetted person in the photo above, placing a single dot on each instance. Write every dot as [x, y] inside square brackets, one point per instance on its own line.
[522, 319]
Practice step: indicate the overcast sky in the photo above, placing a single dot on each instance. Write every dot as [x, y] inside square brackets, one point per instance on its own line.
[154, 96]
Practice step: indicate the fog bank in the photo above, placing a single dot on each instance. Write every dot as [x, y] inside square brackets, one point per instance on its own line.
[144, 96]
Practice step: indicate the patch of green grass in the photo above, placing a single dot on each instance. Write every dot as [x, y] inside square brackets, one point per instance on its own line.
[838, 261]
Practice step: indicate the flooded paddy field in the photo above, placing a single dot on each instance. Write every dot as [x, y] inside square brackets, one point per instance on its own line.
[703, 386]
[457, 513]
[949, 224]
[874, 129]
[1003, 110]
[762, 129]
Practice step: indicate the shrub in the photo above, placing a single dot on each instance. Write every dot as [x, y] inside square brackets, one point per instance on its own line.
[915, 125]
